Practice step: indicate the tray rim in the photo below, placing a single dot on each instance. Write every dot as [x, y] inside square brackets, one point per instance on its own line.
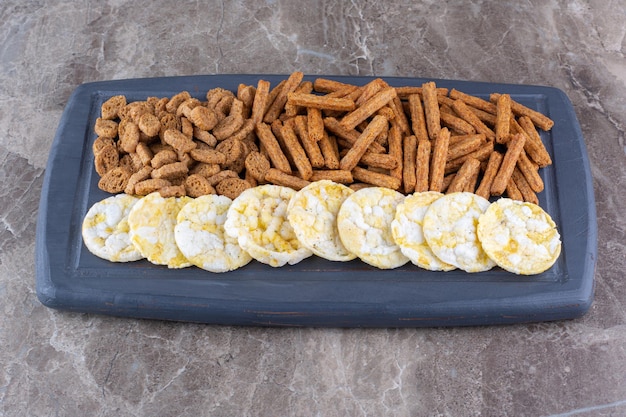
[570, 301]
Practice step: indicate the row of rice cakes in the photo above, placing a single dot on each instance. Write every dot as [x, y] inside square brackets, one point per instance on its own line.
[277, 225]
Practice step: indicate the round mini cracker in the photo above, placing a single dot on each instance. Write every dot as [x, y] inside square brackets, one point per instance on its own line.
[450, 230]
[258, 220]
[105, 229]
[312, 213]
[200, 236]
[152, 221]
[519, 236]
[364, 224]
[407, 232]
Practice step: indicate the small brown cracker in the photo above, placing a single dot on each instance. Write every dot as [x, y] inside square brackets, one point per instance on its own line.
[172, 191]
[112, 106]
[203, 117]
[208, 156]
[105, 128]
[115, 180]
[128, 135]
[232, 150]
[205, 170]
[163, 157]
[149, 124]
[257, 165]
[145, 153]
[142, 174]
[176, 100]
[179, 141]
[170, 171]
[232, 187]
[197, 185]
[150, 185]
[106, 159]
[100, 143]
[222, 175]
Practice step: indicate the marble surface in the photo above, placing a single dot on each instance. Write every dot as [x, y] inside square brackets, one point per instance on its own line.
[65, 364]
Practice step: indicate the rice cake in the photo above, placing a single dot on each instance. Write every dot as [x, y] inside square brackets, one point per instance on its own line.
[312, 212]
[364, 224]
[200, 236]
[407, 232]
[257, 218]
[450, 231]
[105, 229]
[519, 236]
[152, 221]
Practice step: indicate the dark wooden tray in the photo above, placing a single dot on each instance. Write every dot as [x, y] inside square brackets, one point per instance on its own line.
[314, 292]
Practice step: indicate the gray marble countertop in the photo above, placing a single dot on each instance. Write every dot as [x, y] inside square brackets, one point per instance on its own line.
[68, 364]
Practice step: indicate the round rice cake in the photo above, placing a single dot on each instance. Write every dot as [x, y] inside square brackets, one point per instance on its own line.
[407, 232]
[312, 212]
[152, 221]
[364, 225]
[105, 229]
[519, 236]
[200, 236]
[450, 230]
[257, 218]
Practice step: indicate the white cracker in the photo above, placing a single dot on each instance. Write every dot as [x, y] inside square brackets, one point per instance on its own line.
[200, 236]
[258, 220]
[364, 224]
[450, 230]
[312, 213]
[152, 221]
[105, 229]
[407, 232]
[520, 237]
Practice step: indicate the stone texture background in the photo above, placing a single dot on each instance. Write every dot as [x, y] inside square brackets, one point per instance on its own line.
[62, 364]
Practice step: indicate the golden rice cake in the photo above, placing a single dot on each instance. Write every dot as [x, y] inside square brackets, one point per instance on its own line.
[200, 236]
[407, 232]
[364, 224]
[257, 218]
[152, 221]
[450, 230]
[105, 229]
[519, 236]
[312, 212]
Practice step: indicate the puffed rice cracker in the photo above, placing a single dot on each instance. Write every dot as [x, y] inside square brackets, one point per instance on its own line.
[450, 231]
[364, 224]
[200, 236]
[407, 232]
[520, 237]
[258, 220]
[312, 212]
[105, 229]
[152, 221]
